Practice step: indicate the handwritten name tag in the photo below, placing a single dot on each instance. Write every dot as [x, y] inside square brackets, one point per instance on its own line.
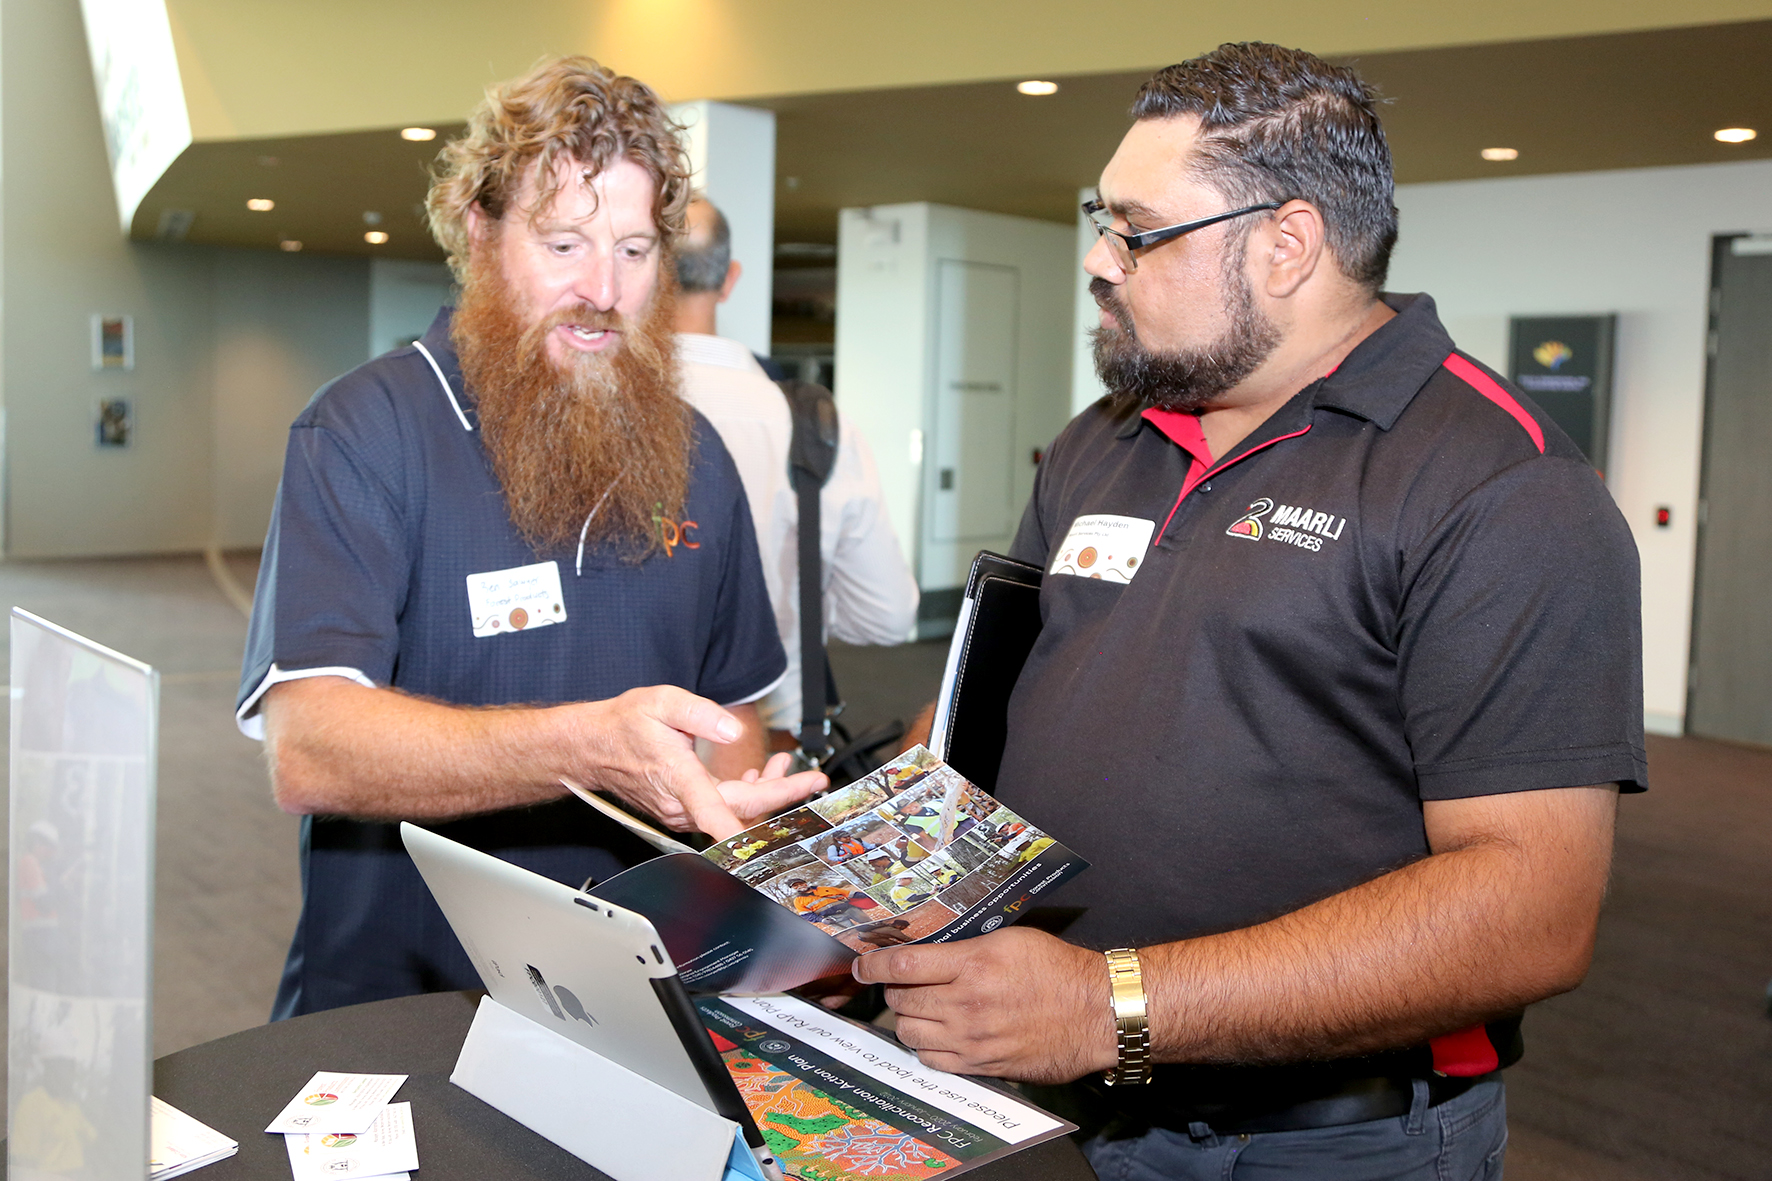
[519, 599]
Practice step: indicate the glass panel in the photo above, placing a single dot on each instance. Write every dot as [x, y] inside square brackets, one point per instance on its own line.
[84, 721]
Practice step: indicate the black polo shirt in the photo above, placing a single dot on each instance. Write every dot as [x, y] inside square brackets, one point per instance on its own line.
[1406, 585]
[387, 508]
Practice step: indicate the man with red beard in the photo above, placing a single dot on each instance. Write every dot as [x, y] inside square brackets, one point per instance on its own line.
[1341, 703]
[511, 555]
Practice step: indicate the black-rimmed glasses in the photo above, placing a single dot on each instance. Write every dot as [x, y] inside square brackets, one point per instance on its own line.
[1122, 245]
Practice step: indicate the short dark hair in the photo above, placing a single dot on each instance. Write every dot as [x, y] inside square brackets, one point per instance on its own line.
[1282, 124]
[702, 266]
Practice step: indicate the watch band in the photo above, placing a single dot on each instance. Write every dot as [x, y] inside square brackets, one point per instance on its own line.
[1134, 1034]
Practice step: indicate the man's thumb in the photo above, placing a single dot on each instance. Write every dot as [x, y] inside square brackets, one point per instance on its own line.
[697, 716]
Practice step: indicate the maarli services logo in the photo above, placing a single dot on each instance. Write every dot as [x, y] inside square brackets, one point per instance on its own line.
[319, 1099]
[1249, 525]
[338, 1139]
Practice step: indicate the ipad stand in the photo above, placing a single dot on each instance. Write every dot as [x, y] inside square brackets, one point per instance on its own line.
[606, 1115]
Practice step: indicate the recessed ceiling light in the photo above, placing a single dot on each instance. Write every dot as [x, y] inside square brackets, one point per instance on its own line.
[1501, 153]
[1736, 135]
[289, 245]
[1036, 87]
[375, 237]
[418, 134]
[260, 204]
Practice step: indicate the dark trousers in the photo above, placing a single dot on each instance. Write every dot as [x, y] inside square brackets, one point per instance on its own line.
[1463, 1139]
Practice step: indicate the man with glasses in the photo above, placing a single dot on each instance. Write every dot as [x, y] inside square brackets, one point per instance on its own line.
[1344, 737]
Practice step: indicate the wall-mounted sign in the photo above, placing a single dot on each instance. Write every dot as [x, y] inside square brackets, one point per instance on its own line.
[1565, 364]
[113, 343]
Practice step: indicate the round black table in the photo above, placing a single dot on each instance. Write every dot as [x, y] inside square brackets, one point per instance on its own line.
[237, 1084]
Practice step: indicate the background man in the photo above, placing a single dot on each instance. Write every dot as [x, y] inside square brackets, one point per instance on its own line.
[870, 596]
[510, 554]
[1345, 751]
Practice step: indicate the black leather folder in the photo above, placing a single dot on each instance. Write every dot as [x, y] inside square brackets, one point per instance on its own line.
[999, 622]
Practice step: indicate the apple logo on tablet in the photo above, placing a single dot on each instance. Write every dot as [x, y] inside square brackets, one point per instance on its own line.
[573, 1009]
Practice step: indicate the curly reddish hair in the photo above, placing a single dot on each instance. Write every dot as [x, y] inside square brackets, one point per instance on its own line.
[564, 108]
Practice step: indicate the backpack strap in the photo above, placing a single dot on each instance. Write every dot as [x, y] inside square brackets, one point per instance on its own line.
[811, 456]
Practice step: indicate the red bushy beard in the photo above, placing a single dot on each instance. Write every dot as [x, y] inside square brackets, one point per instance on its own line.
[603, 435]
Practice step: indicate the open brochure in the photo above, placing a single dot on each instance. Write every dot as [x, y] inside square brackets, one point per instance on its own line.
[178, 1143]
[912, 853]
[835, 1100]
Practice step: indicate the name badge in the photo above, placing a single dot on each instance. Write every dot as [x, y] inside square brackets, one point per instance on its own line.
[1104, 546]
[519, 599]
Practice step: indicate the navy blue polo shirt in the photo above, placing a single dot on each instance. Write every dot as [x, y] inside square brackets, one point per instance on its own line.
[1406, 585]
[388, 505]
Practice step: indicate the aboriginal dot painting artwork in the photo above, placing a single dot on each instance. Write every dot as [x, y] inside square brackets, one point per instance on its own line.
[835, 1099]
[817, 1138]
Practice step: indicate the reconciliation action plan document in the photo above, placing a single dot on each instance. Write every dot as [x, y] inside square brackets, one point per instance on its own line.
[835, 1100]
[910, 853]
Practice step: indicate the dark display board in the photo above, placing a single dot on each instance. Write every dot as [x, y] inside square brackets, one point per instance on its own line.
[1565, 364]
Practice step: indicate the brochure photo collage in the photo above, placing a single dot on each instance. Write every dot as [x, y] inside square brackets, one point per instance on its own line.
[888, 859]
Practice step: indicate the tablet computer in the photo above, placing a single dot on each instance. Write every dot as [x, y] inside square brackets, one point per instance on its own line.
[591, 971]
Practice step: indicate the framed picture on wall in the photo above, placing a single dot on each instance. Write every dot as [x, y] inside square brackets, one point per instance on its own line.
[113, 342]
[115, 422]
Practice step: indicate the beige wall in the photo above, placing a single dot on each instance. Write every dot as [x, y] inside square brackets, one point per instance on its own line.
[229, 344]
[284, 326]
[64, 261]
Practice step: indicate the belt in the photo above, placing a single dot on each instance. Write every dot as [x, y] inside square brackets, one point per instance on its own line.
[1346, 1101]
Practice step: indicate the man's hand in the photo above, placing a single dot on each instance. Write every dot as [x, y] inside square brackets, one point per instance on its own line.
[641, 746]
[1016, 1003]
[758, 795]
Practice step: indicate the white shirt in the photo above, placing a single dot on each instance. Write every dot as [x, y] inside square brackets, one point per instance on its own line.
[870, 596]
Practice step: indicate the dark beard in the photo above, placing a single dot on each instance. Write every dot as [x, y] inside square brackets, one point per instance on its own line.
[1182, 381]
[605, 434]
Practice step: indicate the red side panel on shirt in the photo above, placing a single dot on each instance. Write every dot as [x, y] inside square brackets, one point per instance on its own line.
[1491, 389]
[1465, 1054]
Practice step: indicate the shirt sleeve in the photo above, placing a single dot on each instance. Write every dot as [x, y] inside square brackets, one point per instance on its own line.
[1520, 639]
[1031, 545]
[334, 576]
[870, 596]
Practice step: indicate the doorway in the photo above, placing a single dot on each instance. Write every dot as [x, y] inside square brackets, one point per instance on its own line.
[972, 435]
[1729, 690]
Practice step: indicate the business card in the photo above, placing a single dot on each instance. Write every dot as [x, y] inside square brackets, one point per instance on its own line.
[336, 1102]
[387, 1149]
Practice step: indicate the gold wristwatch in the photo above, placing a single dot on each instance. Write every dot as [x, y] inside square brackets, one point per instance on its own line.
[1130, 1025]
